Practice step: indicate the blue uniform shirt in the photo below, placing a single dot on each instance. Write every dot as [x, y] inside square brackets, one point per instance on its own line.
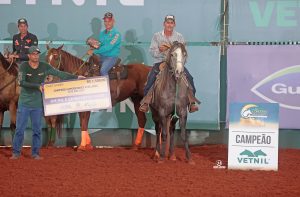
[110, 43]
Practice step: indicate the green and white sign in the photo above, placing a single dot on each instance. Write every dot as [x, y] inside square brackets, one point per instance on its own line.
[253, 136]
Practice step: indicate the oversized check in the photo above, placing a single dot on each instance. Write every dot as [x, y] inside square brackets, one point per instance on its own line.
[76, 96]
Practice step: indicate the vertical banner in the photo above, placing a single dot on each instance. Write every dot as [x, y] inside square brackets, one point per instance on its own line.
[266, 74]
[253, 136]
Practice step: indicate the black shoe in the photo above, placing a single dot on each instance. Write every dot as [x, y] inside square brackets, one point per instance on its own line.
[144, 107]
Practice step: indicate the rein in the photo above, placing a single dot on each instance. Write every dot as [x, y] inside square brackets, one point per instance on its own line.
[84, 62]
[10, 82]
[6, 70]
[80, 67]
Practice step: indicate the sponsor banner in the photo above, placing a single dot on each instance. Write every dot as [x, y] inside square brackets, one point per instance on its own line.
[264, 20]
[253, 136]
[136, 20]
[266, 74]
[76, 96]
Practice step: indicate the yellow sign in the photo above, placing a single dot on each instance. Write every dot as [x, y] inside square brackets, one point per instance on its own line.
[76, 96]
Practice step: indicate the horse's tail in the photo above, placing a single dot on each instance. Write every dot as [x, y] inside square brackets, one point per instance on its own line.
[59, 124]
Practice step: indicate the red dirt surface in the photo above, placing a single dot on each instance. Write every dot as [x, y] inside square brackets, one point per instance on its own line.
[125, 172]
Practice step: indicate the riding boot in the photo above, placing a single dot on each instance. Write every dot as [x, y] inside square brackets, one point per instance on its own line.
[192, 98]
[192, 102]
[146, 101]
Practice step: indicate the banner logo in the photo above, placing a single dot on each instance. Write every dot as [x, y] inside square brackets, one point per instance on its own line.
[257, 157]
[281, 87]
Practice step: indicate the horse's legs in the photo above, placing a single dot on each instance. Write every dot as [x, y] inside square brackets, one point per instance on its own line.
[184, 137]
[157, 146]
[52, 124]
[1, 122]
[85, 137]
[1, 119]
[164, 123]
[172, 143]
[141, 117]
[13, 117]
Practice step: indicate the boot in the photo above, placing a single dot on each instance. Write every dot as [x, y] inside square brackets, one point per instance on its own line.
[146, 101]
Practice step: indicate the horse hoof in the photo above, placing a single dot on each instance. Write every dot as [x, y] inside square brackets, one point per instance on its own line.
[173, 158]
[81, 148]
[135, 147]
[89, 147]
[156, 156]
[160, 161]
[191, 162]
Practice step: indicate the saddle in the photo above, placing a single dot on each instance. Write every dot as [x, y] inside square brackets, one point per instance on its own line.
[118, 71]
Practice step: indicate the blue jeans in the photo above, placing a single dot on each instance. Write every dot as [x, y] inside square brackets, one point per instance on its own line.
[107, 63]
[154, 72]
[35, 114]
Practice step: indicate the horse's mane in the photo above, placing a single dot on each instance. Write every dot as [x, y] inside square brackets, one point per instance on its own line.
[13, 70]
[166, 71]
[71, 62]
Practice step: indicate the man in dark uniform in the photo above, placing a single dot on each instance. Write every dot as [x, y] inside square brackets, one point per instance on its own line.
[22, 41]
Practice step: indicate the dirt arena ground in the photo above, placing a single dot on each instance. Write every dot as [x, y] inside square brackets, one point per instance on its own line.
[125, 172]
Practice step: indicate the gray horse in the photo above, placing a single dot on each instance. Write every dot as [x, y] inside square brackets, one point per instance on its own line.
[170, 102]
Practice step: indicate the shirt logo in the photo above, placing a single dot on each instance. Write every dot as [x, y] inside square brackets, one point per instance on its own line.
[28, 41]
[17, 43]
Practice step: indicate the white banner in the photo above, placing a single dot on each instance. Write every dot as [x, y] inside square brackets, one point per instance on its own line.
[76, 96]
[253, 136]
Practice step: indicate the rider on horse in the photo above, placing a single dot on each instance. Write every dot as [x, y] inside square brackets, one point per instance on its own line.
[110, 44]
[160, 45]
[22, 41]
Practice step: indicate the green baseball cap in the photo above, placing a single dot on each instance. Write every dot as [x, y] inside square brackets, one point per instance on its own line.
[34, 49]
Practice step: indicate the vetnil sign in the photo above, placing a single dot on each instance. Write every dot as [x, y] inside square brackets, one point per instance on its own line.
[285, 13]
[253, 136]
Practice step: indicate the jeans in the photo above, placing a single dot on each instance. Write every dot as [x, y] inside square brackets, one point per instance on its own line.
[154, 72]
[35, 114]
[107, 64]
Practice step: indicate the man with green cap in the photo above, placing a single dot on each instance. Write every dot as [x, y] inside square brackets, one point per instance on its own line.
[32, 75]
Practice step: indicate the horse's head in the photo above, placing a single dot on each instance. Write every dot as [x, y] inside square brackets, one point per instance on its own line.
[54, 56]
[176, 59]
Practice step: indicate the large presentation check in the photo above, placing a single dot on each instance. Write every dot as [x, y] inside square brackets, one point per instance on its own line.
[76, 96]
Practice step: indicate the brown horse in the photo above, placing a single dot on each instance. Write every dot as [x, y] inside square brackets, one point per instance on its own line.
[9, 95]
[9, 91]
[131, 87]
[54, 123]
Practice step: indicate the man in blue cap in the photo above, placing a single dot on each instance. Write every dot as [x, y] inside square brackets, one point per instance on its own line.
[110, 44]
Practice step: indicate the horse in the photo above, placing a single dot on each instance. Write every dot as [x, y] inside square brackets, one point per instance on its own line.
[9, 91]
[132, 87]
[170, 102]
[54, 123]
[9, 95]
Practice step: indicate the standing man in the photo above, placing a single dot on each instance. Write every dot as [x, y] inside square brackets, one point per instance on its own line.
[159, 48]
[22, 41]
[110, 44]
[32, 74]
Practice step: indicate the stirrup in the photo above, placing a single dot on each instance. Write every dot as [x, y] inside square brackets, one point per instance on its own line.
[193, 107]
